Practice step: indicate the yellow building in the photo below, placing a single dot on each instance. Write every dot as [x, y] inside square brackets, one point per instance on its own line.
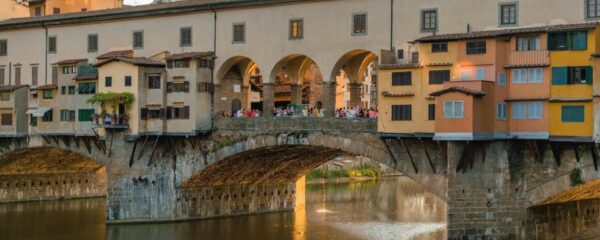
[50, 7]
[571, 101]
[13, 9]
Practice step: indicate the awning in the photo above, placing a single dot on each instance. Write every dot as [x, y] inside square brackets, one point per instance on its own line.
[39, 112]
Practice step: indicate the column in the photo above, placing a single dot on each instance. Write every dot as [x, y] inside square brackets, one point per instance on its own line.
[268, 99]
[296, 94]
[355, 90]
[329, 92]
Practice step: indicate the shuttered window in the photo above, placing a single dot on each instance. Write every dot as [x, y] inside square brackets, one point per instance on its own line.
[34, 75]
[51, 44]
[401, 112]
[501, 113]
[67, 115]
[239, 33]
[3, 47]
[153, 82]
[359, 23]
[567, 41]
[2, 76]
[431, 112]
[85, 115]
[185, 37]
[401, 79]
[573, 113]
[138, 39]
[182, 112]
[17, 75]
[454, 109]
[54, 74]
[93, 43]
[7, 119]
[572, 75]
[478, 47]
[438, 77]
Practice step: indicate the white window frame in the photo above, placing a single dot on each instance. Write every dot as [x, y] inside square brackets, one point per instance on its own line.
[501, 111]
[502, 79]
[451, 113]
[478, 72]
[531, 110]
[465, 75]
[524, 75]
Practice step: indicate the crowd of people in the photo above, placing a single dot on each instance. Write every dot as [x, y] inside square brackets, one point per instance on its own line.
[306, 111]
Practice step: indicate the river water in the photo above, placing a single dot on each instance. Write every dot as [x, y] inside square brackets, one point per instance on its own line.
[391, 208]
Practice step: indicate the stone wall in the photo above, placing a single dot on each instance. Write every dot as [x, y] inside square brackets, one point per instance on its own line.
[36, 187]
[297, 124]
[564, 220]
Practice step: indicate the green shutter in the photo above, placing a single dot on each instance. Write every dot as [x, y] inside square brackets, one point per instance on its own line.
[551, 41]
[572, 113]
[579, 41]
[85, 115]
[560, 75]
[589, 74]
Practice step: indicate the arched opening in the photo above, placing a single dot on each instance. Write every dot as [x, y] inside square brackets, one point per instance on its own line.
[239, 87]
[355, 81]
[297, 83]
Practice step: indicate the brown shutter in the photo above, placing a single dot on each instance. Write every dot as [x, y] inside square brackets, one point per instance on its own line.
[169, 112]
[169, 64]
[210, 88]
[186, 86]
[186, 112]
[54, 75]
[163, 113]
[144, 114]
[169, 87]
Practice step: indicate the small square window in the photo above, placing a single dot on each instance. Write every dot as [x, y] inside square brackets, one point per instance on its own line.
[439, 47]
[7, 119]
[153, 82]
[429, 20]
[478, 47]
[48, 94]
[239, 33]
[359, 23]
[108, 81]
[138, 39]
[592, 9]
[5, 96]
[508, 14]
[56, 10]
[296, 29]
[127, 81]
[401, 54]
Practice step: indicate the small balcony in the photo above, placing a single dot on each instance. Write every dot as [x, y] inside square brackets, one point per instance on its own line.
[86, 72]
[111, 121]
[528, 58]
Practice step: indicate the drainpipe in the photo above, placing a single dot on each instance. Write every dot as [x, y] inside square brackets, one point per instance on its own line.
[392, 25]
[212, 70]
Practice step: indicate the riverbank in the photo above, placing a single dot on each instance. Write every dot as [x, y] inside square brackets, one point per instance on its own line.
[354, 174]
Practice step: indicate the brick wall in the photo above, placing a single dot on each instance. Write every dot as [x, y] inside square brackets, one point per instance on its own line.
[564, 220]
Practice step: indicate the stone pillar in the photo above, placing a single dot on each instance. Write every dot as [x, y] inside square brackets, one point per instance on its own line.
[355, 90]
[268, 99]
[328, 98]
[296, 94]
[246, 103]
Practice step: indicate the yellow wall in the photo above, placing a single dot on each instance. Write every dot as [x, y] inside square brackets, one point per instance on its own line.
[10, 9]
[558, 128]
[427, 57]
[575, 58]
[118, 71]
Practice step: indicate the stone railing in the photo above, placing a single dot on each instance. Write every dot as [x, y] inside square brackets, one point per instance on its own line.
[281, 124]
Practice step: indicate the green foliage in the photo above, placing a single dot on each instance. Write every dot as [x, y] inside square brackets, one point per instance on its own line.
[112, 99]
[576, 178]
[363, 171]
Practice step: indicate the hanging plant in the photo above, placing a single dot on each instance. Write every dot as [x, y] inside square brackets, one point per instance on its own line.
[112, 99]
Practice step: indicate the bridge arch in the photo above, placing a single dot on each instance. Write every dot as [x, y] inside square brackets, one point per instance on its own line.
[238, 79]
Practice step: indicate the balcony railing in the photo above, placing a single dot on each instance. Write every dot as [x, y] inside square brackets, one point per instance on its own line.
[111, 121]
[529, 58]
[85, 72]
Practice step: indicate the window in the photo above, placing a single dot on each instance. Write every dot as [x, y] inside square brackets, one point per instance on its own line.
[453, 109]
[67, 115]
[2, 76]
[17, 75]
[6, 119]
[401, 54]
[465, 75]
[480, 74]
[205, 63]
[108, 81]
[48, 94]
[401, 79]
[567, 41]
[127, 81]
[63, 90]
[86, 88]
[85, 115]
[429, 20]
[531, 75]
[154, 113]
[572, 113]
[502, 79]
[431, 112]
[185, 63]
[501, 111]
[92, 43]
[359, 23]
[34, 75]
[180, 86]
[592, 8]
[438, 77]
[528, 43]
[185, 37]
[54, 74]
[56, 10]
[478, 47]
[182, 112]
[47, 116]
[69, 70]
[508, 14]
[52, 44]
[401, 112]
[239, 33]
[439, 47]
[33, 120]
[71, 90]
[5, 96]
[153, 82]
[296, 29]
[527, 110]
[138, 39]
[38, 11]
[3, 47]
[84, 9]
[572, 75]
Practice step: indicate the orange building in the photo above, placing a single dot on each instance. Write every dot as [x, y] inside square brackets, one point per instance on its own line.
[49, 7]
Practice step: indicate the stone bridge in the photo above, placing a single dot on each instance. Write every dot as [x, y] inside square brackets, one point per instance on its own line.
[250, 165]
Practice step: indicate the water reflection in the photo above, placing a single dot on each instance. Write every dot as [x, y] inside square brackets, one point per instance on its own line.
[395, 208]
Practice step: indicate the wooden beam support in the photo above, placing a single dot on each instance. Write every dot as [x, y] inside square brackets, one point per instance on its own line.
[132, 154]
[556, 152]
[55, 140]
[65, 140]
[45, 139]
[143, 147]
[76, 140]
[153, 150]
[462, 161]
[87, 144]
[595, 155]
[427, 155]
[575, 149]
[412, 161]
[387, 146]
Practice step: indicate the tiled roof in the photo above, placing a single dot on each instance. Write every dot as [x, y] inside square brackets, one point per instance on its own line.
[464, 90]
[388, 94]
[526, 65]
[188, 55]
[46, 87]
[582, 192]
[10, 88]
[140, 61]
[119, 53]
[398, 66]
[158, 9]
[70, 61]
[507, 32]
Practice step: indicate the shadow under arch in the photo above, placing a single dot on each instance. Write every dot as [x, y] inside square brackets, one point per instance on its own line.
[239, 80]
[297, 79]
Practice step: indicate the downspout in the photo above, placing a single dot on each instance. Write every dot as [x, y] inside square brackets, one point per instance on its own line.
[212, 70]
[392, 25]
